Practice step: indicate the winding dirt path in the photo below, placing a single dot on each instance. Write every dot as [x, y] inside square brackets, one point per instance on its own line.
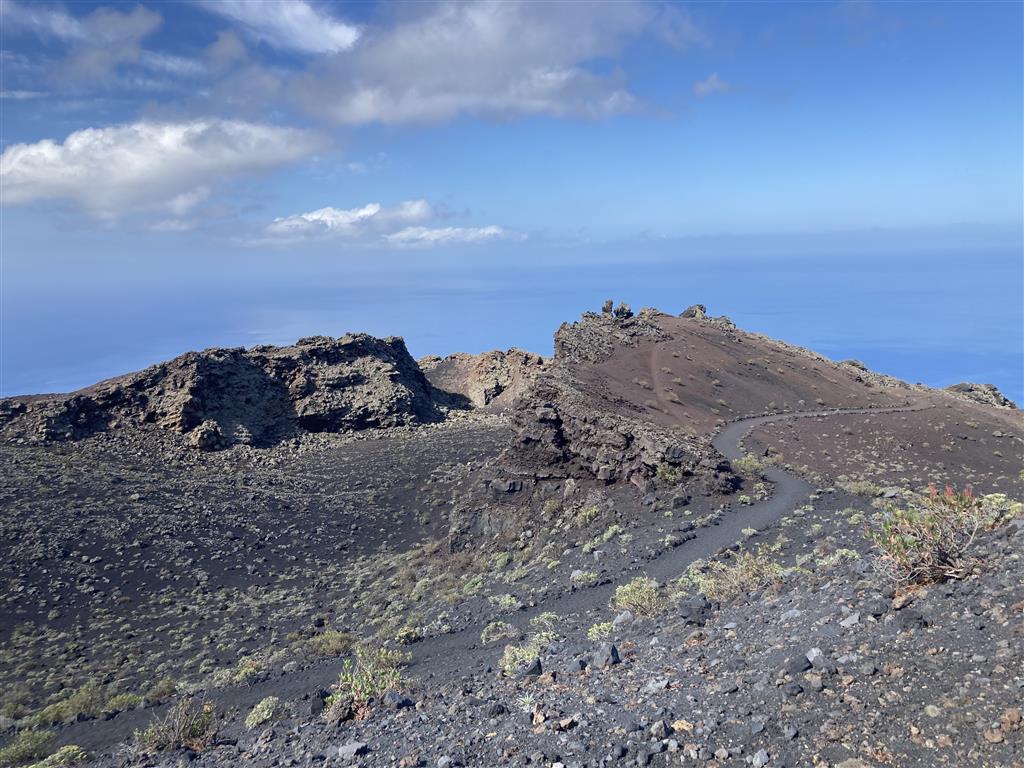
[460, 653]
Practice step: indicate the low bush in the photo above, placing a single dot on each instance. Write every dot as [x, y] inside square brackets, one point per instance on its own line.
[642, 596]
[123, 701]
[749, 466]
[65, 757]
[505, 603]
[372, 673]
[600, 631]
[246, 672]
[861, 488]
[929, 539]
[724, 581]
[515, 657]
[409, 634]
[26, 746]
[187, 724]
[87, 701]
[584, 578]
[545, 621]
[331, 642]
[586, 516]
[668, 474]
[266, 711]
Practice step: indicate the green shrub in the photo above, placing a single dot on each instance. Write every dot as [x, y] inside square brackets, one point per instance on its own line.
[245, 672]
[505, 603]
[374, 672]
[929, 539]
[267, 710]
[14, 701]
[641, 596]
[123, 701]
[724, 581]
[586, 516]
[749, 466]
[544, 622]
[832, 559]
[999, 509]
[65, 757]
[187, 724]
[26, 746]
[861, 488]
[600, 631]
[409, 634]
[330, 643]
[668, 474]
[515, 657]
[584, 579]
[89, 701]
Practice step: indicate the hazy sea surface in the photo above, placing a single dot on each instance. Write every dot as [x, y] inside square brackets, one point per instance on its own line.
[937, 317]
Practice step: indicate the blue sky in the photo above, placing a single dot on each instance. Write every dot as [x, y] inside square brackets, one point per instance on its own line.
[251, 154]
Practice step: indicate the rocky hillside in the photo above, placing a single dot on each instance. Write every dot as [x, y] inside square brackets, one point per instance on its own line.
[627, 394]
[221, 397]
[986, 394]
[664, 546]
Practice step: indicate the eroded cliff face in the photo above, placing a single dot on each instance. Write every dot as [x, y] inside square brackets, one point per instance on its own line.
[491, 379]
[565, 426]
[220, 397]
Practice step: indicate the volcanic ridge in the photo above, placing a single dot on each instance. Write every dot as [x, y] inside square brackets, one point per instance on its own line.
[675, 542]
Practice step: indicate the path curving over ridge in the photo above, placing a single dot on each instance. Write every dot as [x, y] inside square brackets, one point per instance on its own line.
[460, 653]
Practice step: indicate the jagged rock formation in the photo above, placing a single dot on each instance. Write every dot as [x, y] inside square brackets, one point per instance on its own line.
[986, 394]
[697, 311]
[594, 337]
[565, 427]
[490, 378]
[257, 396]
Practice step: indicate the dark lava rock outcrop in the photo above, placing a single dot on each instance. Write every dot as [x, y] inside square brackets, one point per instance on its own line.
[986, 394]
[567, 427]
[595, 336]
[220, 397]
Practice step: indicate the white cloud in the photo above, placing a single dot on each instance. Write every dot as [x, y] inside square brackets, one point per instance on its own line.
[99, 41]
[21, 95]
[709, 85]
[146, 166]
[171, 65]
[450, 235]
[398, 225]
[498, 59]
[291, 24]
[40, 20]
[351, 223]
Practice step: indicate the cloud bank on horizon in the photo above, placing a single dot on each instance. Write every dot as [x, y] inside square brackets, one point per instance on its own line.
[518, 116]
